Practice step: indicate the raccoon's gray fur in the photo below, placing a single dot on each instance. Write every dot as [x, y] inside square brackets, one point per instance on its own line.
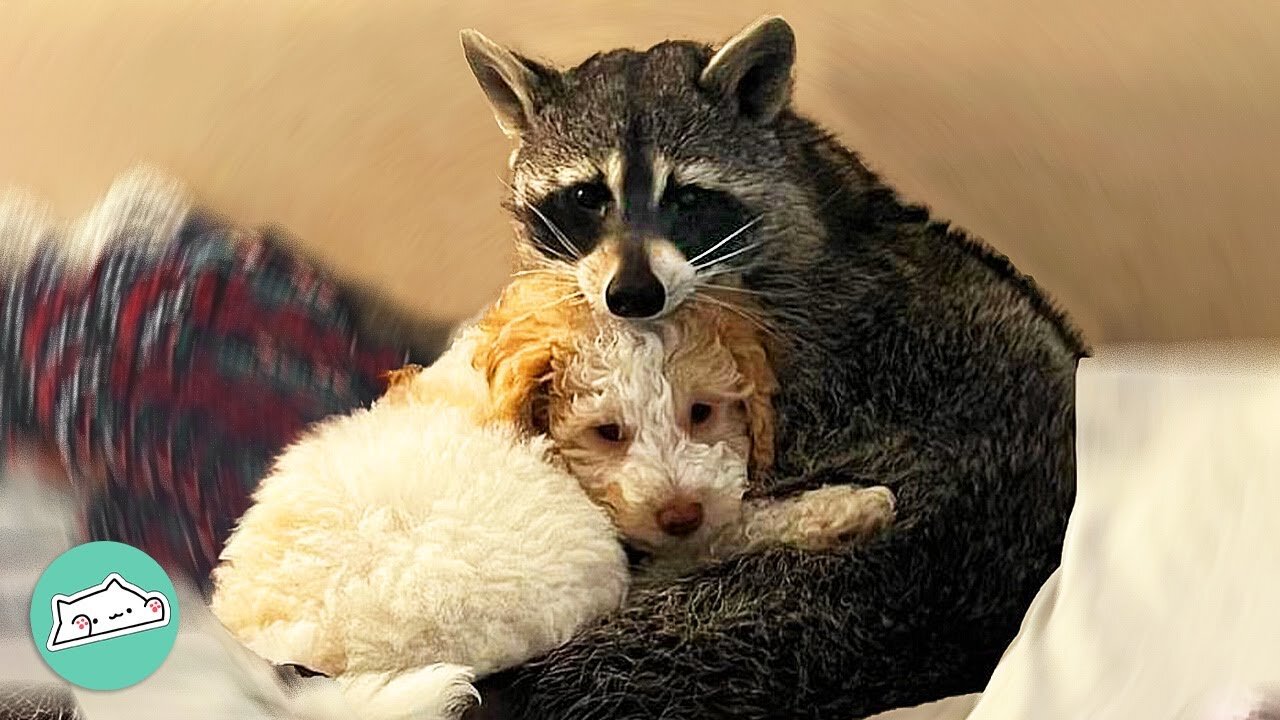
[912, 356]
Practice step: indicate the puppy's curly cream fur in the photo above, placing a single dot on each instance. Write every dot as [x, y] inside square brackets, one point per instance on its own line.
[408, 548]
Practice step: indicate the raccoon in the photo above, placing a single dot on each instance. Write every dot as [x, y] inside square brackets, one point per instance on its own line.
[909, 355]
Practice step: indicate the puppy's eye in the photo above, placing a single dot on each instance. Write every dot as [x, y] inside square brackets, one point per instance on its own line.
[593, 197]
[609, 433]
[700, 413]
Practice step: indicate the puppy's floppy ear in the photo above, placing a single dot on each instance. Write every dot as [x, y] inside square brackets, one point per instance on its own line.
[760, 413]
[754, 354]
[517, 370]
[512, 84]
[754, 69]
[523, 335]
[540, 408]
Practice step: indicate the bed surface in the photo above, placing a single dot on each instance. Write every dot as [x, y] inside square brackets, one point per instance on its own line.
[1164, 606]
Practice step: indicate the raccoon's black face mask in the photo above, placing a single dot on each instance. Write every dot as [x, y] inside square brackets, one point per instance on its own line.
[645, 174]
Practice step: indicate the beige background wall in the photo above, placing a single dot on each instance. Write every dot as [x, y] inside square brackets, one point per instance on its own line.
[1126, 153]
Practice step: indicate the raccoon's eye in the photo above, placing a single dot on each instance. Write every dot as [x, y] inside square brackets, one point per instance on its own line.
[682, 197]
[594, 197]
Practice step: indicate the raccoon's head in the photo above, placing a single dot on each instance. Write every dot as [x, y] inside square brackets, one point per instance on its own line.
[647, 175]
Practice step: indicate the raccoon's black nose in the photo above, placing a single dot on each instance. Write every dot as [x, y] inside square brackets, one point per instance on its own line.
[635, 292]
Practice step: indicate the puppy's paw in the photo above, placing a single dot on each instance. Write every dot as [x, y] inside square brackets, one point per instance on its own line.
[839, 513]
[871, 511]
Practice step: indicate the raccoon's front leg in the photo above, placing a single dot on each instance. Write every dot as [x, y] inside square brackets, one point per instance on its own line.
[817, 519]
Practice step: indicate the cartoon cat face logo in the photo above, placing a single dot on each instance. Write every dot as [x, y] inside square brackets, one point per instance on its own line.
[113, 608]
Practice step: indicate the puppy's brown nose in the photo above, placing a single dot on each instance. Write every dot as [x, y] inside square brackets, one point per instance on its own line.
[681, 518]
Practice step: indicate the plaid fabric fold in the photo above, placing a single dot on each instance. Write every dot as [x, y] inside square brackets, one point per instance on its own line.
[168, 379]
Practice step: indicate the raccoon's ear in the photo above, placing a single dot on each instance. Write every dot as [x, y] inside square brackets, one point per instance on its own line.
[754, 67]
[508, 81]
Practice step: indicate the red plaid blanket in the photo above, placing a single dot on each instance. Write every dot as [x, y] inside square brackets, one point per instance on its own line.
[168, 379]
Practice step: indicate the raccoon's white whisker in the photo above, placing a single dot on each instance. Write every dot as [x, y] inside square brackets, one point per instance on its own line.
[728, 238]
[563, 272]
[727, 256]
[573, 298]
[729, 288]
[559, 263]
[714, 274]
[549, 257]
[744, 314]
[561, 238]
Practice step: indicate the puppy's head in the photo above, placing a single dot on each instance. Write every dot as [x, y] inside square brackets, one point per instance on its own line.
[660, 422]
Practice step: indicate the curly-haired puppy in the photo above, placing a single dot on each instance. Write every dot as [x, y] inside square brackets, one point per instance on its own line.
[662, 423]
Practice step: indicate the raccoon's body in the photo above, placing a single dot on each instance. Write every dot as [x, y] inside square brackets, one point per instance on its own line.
[908, 355]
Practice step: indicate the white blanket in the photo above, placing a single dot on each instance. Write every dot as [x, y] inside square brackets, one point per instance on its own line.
[1167, 604]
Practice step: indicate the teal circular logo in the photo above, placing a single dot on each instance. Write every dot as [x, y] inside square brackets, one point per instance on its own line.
[104, 615]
